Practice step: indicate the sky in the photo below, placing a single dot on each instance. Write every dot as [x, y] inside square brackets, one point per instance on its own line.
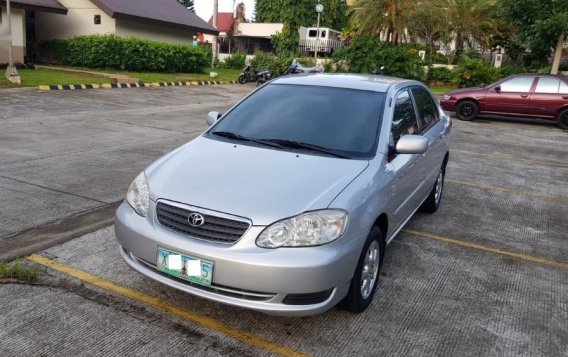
[204, 8]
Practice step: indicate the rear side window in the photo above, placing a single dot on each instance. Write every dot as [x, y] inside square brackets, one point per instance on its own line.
[547, 85]
[404, 118]
[427, 112]
[563, 88]
[517, 85]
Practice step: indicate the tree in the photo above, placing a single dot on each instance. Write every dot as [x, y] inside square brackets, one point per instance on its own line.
[471, 21]
[428, 25]
[542, 24]
[188, 4]
[391, 17]
[334, 15]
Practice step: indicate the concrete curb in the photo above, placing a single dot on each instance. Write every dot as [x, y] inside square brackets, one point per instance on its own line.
[130, 85]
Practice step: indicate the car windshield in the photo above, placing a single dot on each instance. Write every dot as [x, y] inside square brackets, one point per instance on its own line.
[322, 120]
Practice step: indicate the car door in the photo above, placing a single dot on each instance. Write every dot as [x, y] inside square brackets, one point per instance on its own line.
[511, 96]
[403, 185]
[428, 164]
[550, 94]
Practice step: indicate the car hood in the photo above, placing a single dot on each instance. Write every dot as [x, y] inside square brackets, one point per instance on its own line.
[466, 90]
[261, 184]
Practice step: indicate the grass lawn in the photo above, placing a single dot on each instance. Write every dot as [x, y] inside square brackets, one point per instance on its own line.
[441, 90]
[151, 77]
[36, 77]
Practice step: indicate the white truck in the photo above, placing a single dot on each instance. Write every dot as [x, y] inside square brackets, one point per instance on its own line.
[327, 42]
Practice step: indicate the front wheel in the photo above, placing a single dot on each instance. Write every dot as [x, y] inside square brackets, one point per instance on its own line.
[467, 110]
[364, 282]
[563, 119]
[242, 79]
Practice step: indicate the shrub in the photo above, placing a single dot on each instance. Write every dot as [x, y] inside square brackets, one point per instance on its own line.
[473, 73]
[508, 71]
[234, 61]
[124, 53]
[365, 54]
[442, 74]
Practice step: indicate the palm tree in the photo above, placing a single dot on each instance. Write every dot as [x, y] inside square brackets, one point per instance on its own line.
[471, 22]
[382, 16]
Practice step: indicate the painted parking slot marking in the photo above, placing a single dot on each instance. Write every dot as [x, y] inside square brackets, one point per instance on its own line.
[155, 302]
[519, 192]
[512, 158]
[499, 251]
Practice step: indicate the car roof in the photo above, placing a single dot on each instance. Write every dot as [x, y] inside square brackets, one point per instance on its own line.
[368, 82]
[559, 76]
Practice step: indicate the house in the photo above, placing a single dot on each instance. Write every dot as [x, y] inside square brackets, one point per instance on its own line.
[21, 11]
[238, 35]
[163, 20]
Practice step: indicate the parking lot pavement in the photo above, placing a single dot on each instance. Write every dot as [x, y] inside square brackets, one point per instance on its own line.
[67, 152]
[486, 275]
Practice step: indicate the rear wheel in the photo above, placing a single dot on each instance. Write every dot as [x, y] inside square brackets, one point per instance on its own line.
[432, 203]
[242, 79]
[563, 119]
[364, 282]
[467, 110]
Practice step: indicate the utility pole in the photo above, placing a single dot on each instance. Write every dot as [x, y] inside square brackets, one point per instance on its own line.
[11, 71]
[319, 10]
[214, 43]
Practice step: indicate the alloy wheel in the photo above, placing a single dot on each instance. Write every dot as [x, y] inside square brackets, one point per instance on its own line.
[370, 269]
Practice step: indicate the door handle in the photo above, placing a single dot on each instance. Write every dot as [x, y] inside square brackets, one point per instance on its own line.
[524, 95]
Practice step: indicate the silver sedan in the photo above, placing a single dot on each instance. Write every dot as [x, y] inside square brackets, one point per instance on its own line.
[287, 202]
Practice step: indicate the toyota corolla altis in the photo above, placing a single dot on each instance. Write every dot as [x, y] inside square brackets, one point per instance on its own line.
[287, 202]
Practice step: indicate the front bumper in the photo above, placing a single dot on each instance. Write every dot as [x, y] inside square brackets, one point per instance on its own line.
[244, 275]
[448, 105]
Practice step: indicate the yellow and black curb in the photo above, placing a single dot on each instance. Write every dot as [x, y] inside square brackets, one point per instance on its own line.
[130, 85]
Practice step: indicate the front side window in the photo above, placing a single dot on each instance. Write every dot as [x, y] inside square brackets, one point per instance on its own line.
[312, 33]
[404, 118]
[517, 85]
[343, 121]
[427, 111]
[547, 85]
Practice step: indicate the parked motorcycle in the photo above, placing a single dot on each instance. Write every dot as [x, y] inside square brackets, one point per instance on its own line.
[252, 75]
[296, 68]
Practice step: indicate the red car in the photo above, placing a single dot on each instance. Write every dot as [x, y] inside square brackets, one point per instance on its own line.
[525, 95]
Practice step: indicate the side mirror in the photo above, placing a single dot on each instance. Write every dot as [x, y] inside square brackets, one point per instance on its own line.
[412, 144]
[498, 89]
[212, 117]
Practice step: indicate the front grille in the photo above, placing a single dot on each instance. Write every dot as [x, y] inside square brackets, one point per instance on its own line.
[215, 229]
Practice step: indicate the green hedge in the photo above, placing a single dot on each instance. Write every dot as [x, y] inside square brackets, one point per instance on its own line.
[124, 53]
[365, 54]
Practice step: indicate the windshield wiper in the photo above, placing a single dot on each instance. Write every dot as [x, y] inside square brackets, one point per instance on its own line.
[235, 136]
[300, 145]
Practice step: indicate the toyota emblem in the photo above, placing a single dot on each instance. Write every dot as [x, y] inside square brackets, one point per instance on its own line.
[195, 219]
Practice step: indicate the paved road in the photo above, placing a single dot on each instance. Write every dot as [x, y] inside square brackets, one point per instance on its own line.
[66, 152]
[486, 275]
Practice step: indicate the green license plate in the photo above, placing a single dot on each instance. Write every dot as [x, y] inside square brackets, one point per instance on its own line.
[185, 267]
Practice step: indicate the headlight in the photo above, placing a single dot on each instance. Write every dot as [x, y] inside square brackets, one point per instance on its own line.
[308, 229]
[447, 97]
[138, 195]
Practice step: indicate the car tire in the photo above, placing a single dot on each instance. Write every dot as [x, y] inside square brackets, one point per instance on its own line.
[242, 79]
[360, 295]
[467, 110]
[563, 119]
[432, 203]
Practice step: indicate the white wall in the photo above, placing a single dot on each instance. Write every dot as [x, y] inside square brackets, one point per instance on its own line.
[153, 32]
[78, 21]
[18, 35]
